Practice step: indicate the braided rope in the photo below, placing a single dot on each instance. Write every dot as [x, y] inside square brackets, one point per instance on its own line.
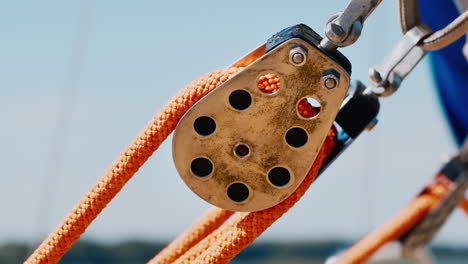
[227, 241]
[240, 231]
[244, 228]
[213, 239]
[124, 167]
[208, 223]
[464, 205]
[412, 214]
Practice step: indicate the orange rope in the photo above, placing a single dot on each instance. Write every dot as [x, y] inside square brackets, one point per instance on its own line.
[228, 240]
[209, 240]
[464, 205]
[413, 213]
[236, 234]
[124, 167]
[241, 231]
[209, 222]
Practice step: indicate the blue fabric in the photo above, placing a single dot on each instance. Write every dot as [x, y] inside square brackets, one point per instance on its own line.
[449, 67]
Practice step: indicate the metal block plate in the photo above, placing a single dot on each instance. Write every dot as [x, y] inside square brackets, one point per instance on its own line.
[207, 161]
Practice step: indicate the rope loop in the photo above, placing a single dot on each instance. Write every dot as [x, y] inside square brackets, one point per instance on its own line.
[408, 12]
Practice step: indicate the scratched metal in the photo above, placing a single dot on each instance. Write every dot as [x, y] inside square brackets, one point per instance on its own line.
[262, 127]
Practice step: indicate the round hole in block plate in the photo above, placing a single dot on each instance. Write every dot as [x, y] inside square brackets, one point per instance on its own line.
[279, 176]
[201, 167]
[308, 107]
[296, 137]
[241, 150]
[240, 99]
[238, 192]
[204, 125]
[268, 83]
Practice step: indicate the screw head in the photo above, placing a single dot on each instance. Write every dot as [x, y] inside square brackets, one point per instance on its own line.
[335, 32]
[298, 56]
[330, 79]
[330, 83]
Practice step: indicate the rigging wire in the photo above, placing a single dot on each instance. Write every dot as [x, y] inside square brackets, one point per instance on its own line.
[65, 110]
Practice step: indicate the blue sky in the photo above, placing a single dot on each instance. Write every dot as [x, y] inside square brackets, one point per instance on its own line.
[137, 56]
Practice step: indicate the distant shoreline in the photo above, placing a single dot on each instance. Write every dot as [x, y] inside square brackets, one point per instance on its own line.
[140, 251]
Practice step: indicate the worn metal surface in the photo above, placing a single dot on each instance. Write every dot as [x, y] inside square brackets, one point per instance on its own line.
[297, 56]
[344, 28]
[386, 77]
[262, 126]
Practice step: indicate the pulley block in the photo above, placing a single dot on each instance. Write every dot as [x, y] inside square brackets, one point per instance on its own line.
[247, 145]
